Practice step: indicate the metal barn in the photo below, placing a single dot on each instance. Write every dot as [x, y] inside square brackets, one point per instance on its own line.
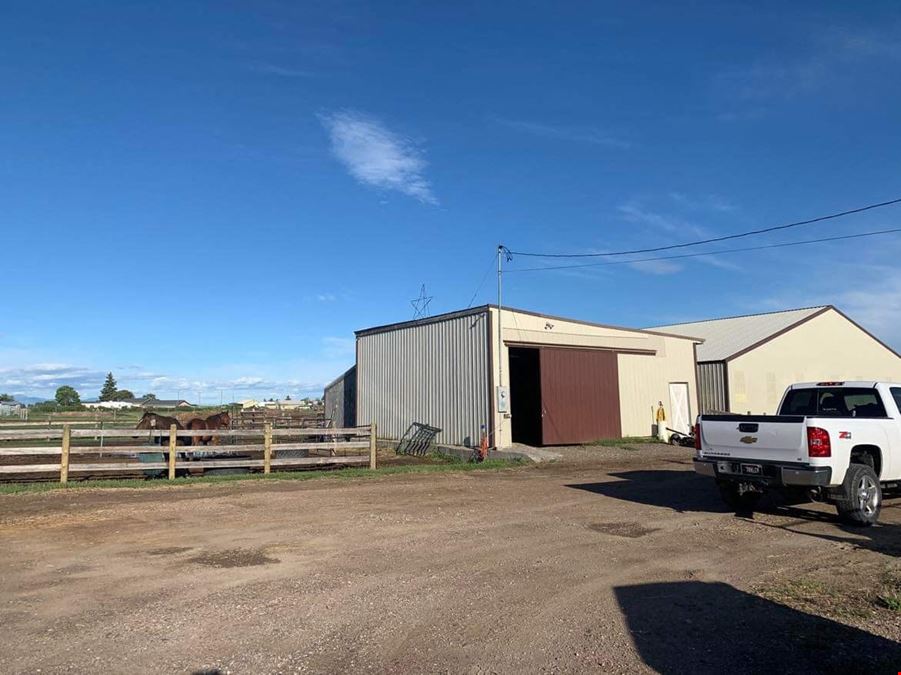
[522, 377]
[340, 399]
[746, 362]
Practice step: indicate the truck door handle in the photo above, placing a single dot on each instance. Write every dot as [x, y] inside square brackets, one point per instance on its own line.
[748, 427]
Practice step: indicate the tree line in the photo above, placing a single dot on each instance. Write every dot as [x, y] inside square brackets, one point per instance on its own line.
[67, 398]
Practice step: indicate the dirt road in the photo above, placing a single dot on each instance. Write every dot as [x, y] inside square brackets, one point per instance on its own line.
[621, 563]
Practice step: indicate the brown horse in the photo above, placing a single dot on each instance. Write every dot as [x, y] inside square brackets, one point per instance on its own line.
[155, 421]
[195, 424]
[219, 421]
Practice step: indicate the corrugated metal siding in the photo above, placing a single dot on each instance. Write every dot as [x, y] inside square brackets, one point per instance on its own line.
[712, 387]
[341, 400]
[435, 373]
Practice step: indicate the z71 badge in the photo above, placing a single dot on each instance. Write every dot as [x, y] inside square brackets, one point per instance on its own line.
[844, 435]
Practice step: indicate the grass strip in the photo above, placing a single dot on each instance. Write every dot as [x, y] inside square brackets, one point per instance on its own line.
[335, 474]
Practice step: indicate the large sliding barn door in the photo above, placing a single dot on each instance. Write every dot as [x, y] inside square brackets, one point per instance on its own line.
[579, 396]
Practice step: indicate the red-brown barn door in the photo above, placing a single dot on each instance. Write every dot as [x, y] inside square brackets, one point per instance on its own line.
[579, 396]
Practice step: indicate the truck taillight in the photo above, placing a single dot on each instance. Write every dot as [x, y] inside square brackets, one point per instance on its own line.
[818, 443]
[697, 435]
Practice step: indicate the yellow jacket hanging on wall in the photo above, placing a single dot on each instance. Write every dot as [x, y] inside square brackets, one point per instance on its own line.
[661, 423]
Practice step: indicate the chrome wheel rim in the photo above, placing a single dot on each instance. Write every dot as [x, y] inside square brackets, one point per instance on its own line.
[868, 495]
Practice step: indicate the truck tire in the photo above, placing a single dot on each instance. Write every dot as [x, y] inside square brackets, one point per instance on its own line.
[736, 499]
[860, 498]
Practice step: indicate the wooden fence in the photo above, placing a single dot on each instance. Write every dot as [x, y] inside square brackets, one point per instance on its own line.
[256, 419]
[334, 443]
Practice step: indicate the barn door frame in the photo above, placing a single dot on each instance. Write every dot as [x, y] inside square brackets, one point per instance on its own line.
[673, 418]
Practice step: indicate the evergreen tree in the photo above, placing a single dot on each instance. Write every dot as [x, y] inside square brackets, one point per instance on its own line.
[108, 393]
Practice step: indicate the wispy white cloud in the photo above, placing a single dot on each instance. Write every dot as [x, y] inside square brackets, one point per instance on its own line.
[634, 212]
[709, 202]
[768, 81]
[869, 290]
[326, 297]
[577, 134]
[877, 307]
[281, 71]
[338, 347]
[43, 379]
[831, 58]
[721, 263]
[851, 44]
[48, 376]
[377, 156]
[658, 267]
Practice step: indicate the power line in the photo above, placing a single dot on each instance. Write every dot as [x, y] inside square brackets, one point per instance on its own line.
[484, 279]
[698, 255]
[738, 235]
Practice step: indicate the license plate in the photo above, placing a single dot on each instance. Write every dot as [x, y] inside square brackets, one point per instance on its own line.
[753, 469]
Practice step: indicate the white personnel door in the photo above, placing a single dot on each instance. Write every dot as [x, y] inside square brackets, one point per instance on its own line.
[680, 415]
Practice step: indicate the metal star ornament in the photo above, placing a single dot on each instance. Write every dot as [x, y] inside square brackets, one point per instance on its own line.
[421, 304]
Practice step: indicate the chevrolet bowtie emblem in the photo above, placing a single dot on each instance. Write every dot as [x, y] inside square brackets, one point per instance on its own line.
[748, 440]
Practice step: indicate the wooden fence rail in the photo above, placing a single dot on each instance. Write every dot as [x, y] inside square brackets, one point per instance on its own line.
[118, 432]
[175, 456]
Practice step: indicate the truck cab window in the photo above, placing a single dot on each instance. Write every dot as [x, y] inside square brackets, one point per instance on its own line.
[837, 402]
[896, 394]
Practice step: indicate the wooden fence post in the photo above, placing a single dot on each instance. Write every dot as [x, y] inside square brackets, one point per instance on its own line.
[372, 446]
[64, 455]
[173, 439]
[267, 447]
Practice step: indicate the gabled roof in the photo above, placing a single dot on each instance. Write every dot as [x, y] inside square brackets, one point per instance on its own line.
[161, 403]
[484, 308]
[728, 337]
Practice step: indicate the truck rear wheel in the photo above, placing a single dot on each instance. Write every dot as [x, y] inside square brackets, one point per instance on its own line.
[860, 498]
[737, 497]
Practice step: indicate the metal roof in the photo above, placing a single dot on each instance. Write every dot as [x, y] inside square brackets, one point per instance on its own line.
[726, 338]
[484, 308]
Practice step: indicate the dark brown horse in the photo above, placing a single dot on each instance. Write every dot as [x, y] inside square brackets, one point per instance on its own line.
[154, 421]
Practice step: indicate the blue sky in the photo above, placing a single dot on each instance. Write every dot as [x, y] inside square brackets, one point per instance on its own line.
[208, 198]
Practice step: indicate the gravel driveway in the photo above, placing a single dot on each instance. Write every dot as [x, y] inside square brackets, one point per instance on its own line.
[616, 561]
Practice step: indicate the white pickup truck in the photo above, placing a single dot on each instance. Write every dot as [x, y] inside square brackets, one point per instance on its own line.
[838, 441]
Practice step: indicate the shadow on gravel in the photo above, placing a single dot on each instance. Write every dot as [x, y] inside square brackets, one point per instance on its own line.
[696, 627]
[678, 490]
[883, 538]
[685, 491]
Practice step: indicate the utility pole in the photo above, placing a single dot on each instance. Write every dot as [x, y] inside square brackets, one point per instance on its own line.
[500, 272]
[501, 397]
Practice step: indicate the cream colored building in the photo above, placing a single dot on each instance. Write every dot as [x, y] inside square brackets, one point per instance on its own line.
[746, 362]
[519, 376]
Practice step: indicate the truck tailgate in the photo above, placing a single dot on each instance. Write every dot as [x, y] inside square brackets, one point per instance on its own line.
[765, 438]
